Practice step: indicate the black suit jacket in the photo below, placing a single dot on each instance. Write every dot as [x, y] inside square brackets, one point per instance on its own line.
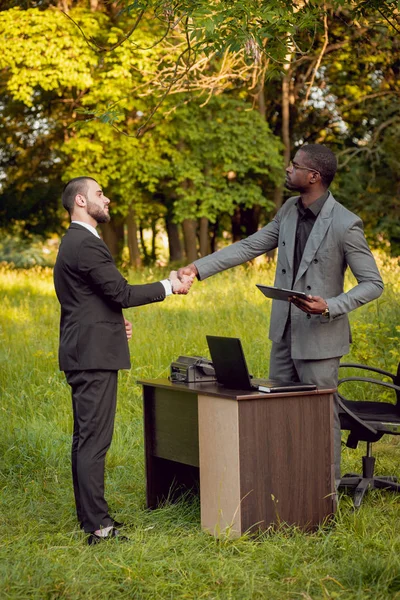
[92, 294]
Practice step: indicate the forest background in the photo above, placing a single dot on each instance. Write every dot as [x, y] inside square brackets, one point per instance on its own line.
[188, 112]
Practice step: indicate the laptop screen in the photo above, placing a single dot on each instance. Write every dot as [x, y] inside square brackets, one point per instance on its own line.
[229, 362]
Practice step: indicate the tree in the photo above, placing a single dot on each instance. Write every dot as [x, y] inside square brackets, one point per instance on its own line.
[199, 163]
[216, 165]
[187, 80]
[44, 67]
[317, 58]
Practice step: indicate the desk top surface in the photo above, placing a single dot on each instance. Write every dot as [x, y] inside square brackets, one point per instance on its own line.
[212, 388]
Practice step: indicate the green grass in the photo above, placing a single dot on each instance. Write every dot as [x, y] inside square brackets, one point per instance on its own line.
[43, 554]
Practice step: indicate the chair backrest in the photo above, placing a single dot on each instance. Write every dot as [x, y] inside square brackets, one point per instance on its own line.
[365, 424]
[396, 381]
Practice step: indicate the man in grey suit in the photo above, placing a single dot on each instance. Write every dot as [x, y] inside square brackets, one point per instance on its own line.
[317, 239]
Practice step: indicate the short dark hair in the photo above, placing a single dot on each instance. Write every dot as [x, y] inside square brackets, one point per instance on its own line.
[322, 159]
[78, 185]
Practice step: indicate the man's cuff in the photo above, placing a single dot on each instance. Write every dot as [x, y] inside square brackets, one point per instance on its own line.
[198, 277]
[167, 286]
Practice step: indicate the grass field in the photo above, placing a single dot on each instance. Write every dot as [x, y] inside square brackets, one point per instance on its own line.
[43, 554]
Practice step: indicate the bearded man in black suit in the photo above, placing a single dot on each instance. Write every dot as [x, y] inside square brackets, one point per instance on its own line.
[94, 343]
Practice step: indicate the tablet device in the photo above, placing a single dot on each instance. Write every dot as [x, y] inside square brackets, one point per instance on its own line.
[280, 293]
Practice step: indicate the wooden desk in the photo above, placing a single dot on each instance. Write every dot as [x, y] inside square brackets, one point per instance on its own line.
[260, 459]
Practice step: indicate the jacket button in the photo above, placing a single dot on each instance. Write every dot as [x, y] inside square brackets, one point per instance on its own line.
[308, 316]
[315, 260]
[309, 287]
[283, 271]
[283, 244]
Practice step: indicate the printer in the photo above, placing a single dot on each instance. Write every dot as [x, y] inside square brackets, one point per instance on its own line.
[192, 369]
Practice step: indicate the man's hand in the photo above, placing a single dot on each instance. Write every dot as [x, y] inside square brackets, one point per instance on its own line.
[128, 329]
[188, 271]
[315, 305]
[181, 285]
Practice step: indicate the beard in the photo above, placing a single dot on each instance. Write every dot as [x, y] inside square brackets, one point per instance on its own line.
[288, 184]
[293, 187]
[97, 213]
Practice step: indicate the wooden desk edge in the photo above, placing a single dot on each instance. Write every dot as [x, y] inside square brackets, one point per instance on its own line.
[211, 388]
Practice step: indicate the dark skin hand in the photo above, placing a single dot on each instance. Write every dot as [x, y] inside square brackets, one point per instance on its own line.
[315, 305]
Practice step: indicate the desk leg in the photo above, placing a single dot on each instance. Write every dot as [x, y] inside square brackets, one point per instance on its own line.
[219, 466]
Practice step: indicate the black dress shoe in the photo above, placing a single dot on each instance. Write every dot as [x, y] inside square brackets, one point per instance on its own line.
[113, 534]
[117, 524]
[114, 523]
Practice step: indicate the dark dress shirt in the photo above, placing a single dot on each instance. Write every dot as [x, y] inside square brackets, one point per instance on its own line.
[305, 223]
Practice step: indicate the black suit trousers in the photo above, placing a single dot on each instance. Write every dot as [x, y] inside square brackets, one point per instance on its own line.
[94, 399]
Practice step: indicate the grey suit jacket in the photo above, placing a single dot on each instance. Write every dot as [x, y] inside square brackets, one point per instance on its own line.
[336, 242]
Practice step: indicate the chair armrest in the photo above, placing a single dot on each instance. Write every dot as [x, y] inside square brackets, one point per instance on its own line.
[353, 416]
[370, 380]
[367, 368]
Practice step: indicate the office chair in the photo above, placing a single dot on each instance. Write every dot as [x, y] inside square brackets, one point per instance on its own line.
[368, 421]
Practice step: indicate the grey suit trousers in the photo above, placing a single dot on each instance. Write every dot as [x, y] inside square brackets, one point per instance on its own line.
[323, 373]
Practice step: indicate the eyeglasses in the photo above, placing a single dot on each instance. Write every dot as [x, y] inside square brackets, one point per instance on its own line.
[293, 165]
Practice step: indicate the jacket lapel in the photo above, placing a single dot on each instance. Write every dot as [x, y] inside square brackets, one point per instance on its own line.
[316, 236]
[290, 234]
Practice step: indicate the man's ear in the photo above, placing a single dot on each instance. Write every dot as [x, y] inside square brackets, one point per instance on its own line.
[315, 177]
[80, 200]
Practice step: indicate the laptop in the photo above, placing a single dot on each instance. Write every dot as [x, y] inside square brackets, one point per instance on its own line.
[231, 369]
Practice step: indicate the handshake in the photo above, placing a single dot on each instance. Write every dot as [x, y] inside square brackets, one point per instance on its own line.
[182, 279]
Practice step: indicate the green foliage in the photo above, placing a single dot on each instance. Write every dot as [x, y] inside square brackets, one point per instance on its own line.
[76, 90]
[183, 164]
[231, 152]
[25, 252]
[43, 553]
[43, 68]
[375, 198]
[50, 57]
[257, 27]
[204, 159]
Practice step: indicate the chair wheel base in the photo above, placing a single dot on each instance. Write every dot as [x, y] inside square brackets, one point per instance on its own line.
[359, 485]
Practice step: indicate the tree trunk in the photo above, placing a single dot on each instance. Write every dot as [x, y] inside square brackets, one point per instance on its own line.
[251, 219]
[204, 238]
[236, 221]
[113, 236]
[135, 260]
[143, 244]
[153, 240]
[214, 236]
[174, 243]
[189, 227]
[278, 193]
[64, 5]
[286, 113]
[262, 109]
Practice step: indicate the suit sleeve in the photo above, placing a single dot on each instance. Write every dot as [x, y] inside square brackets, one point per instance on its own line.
[96, 265]
[262, 241]
[363, 266]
